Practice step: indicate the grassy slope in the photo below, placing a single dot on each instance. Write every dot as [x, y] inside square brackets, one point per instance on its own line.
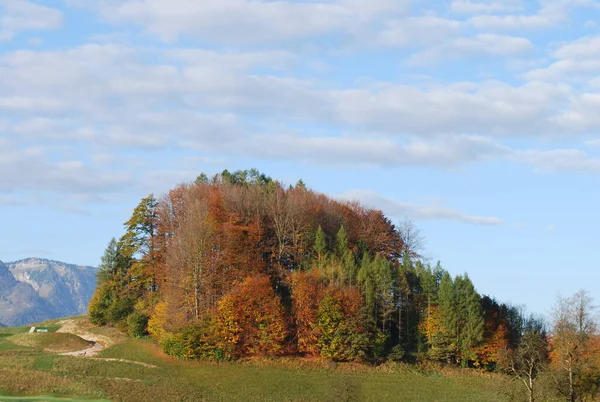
[52, 342]
[29, 371]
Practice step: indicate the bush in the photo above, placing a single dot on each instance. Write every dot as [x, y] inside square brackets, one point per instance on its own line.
[378, 345]
[195, 342]
[137, 324]
[396, 354]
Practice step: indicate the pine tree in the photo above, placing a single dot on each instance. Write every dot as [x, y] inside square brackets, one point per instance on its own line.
[469, 315]
[446, 340]
[341, 242]
[320, 245]
[109, 262]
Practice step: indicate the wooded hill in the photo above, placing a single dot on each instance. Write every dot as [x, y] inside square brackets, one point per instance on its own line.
[240, 265]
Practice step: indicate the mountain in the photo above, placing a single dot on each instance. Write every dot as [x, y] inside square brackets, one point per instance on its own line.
[34, 290]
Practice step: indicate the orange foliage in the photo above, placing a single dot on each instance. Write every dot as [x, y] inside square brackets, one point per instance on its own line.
[495, 340]
[431, 323]
[251, 319]
[306, 294]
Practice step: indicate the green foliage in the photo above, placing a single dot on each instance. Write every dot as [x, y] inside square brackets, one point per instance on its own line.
[119, 310]
[140, 228]
[470, 323]
[100, 304]
[320, 245]
[246, 178]
[202, 179]
[137, 324]
[197, 341]
[378, 344]
[341, 242]
[396, 354]
[339, 339]
[109, 262]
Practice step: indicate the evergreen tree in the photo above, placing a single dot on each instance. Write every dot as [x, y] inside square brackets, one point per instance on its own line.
[320, 245]
[109, 262]
[469, 318]
[447, 338]
[341, 242]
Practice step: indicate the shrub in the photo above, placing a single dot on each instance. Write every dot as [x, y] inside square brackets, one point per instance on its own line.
[137, 324]
[396, 354]
[195, 342]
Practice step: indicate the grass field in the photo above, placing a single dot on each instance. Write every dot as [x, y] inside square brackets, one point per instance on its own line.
[116, 374]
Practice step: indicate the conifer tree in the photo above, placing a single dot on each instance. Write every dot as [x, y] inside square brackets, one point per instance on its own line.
[446, 340]
[108, 265]
[320, 245]
[341, 242]
[469, 315]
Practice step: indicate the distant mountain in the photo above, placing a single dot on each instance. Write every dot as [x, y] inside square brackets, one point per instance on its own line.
[34, 290]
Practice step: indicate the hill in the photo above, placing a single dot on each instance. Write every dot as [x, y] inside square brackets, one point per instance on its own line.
[136, 370]
[34, 290]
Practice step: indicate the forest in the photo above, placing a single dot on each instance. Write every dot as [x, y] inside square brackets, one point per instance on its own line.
[240, 265]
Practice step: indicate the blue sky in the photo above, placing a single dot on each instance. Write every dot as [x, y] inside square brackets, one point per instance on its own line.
[476, 119]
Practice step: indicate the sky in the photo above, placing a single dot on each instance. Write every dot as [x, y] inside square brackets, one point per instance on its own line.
[478, 120]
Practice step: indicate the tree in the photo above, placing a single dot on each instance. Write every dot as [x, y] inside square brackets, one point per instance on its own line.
[138, 244]
[306, 294]
[572, 345]
[469, 315]
[251, 319]
[341, 242]
[448, 317]
[320, 245]
[412, 238]
[109, 263]
[340, 334]
[530, 358]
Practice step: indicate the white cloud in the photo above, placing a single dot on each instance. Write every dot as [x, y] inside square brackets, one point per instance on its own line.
[417, 31]
[449, 152]
[32, 169]
[514, 22]
[485, 6]
[577, 60]
[20, 15]
[479, 45]
[559, 160]
[244, 21]
[400, 209]
[550, 14]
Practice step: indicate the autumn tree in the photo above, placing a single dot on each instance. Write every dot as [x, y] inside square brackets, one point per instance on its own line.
[573, 346]
[251, 319]
[529, 358]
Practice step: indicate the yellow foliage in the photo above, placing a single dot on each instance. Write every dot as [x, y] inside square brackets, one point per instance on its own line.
[157, 321]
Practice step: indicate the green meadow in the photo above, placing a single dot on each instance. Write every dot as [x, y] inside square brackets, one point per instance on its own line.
[136, 370]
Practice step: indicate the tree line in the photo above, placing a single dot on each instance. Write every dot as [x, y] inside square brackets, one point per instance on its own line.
[240, 265]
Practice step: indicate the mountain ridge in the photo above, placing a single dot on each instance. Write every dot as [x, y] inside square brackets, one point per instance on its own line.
[38, 289]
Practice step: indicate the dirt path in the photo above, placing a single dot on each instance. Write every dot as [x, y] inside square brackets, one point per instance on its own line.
[72, 326]
[93, 351]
